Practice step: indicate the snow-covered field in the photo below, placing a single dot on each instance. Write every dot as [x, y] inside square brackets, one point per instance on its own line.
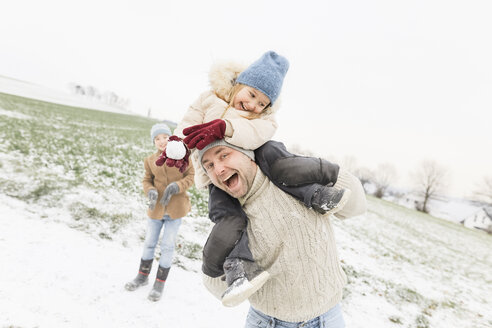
[72, 223]
[56, 276]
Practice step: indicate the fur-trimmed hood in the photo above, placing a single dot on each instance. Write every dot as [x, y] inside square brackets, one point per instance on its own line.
[222, 77]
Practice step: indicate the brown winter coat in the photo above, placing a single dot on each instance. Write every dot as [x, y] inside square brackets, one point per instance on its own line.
[159, 177]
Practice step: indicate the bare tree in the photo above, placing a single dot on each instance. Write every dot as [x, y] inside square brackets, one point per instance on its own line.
[365, 176]
[484, 190]
[429, 179]
[384, 175]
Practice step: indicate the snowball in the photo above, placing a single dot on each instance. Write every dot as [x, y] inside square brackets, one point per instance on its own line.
[175, 150]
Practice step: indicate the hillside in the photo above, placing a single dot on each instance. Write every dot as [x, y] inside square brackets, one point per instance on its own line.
[72, 215]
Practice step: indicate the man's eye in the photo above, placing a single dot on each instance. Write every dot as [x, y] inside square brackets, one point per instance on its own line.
[209, 166]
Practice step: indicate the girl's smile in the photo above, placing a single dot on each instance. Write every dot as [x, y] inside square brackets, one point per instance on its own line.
[251, 100]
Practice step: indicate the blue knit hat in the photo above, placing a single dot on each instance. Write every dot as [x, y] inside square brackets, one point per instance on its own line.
[158, 129]
[266, 74]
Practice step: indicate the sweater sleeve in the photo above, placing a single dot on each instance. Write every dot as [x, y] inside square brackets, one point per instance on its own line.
[251, 134]
[215, 286]
[357, 204]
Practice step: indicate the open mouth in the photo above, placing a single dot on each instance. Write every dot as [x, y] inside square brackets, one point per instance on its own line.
[232, 181]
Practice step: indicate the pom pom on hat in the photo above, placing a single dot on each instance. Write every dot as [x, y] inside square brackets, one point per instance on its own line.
[158, 129]
[266, 74]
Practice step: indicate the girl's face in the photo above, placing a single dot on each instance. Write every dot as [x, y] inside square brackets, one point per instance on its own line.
[160, 141]
[251, 100]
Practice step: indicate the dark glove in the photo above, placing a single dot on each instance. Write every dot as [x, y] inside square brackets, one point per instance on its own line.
[329, 200]
[152, 194]
[171, 189]
[201, 135]
[181, 164]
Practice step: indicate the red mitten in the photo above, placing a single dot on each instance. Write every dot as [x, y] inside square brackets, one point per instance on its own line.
[176, 154]
[182, 164]
[160, 161]
[201, 135]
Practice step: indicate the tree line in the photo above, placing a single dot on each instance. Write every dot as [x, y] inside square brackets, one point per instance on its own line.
[108, 97]
[429, 179]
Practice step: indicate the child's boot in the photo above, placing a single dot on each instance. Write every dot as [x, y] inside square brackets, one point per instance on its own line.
[142, 277]
[244, 278]
[329, 200]
[156, 292]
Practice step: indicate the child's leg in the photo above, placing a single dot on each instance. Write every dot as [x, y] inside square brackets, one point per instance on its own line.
[151, 238]
[230, 222]
[308, 179]
[168, 241]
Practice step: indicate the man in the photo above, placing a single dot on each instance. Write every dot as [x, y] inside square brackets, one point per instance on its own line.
[295, 244]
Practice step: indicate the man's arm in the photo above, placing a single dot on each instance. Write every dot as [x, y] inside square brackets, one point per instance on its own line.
[357, 203]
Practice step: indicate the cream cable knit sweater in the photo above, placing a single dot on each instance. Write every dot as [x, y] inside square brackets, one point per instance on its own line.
[296, 246]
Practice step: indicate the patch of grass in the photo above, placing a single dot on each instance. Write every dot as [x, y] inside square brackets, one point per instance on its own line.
[81, 211]
[189, 249]
[104, 235]
[422, 322]
[409, 295]
[43, 189]
[449, 304]
[199, 201]
[396, 319]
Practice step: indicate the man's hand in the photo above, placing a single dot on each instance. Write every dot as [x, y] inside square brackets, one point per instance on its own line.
[171, 189]
[201, 135]
[152, 194]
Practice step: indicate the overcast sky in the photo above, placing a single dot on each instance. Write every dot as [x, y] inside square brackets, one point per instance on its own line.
[382, 81]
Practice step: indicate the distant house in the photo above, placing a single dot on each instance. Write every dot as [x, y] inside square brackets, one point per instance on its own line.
[482, 219]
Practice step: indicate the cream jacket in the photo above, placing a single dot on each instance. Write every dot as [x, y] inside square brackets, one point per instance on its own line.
[210, 105]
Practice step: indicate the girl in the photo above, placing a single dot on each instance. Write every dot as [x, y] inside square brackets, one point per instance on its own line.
[240, 108]
[168, 203]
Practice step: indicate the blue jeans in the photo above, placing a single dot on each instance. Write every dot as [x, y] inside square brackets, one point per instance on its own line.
[168, 240]
[331, 319]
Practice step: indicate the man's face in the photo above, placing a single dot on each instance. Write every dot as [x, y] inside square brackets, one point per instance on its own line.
[230, 170]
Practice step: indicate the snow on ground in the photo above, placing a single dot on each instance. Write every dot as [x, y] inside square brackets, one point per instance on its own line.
[35, 91]
[55, 276]
[72, 218]
[448, 208]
